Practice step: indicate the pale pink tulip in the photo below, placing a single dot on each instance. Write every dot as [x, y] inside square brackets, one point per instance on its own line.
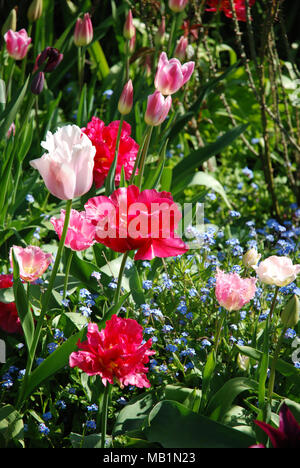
[232, 291]
[278, 271]
[171, 75]
[83, 34]
[177, 5]
[32, 261]
[126, 99]
[80, 234]
[17, 43]
[67, 167]
[157, 108]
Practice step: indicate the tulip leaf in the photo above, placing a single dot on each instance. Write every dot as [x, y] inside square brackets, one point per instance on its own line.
[173, 425]
[8, 115]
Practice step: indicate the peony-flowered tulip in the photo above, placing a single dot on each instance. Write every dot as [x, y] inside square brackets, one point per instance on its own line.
[67, 167]
[171, 75]
[32, 261]
[224, 5]
[232, 291]
[9, 319]
[129, 28]
[132, 220]
[104, 139]
[83, 33]
[287, 435]
[157, 108]
[278, 271]
[80, 234]
[177, 5]
[126, 99]
[17, 43]
[116, 353]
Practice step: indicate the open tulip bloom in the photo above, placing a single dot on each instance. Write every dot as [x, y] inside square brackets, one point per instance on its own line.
[132, 220]
[232, 291]
[171, 75]
[32, 261]
[278, 271]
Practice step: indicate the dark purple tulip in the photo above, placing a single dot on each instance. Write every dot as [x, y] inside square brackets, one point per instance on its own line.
[288, 433]
[37, 83]
[51, 56]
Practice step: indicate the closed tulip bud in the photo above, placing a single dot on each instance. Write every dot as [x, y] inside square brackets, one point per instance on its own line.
[177, 5]
[251, 258]
[160, 33]
[157, 108]
[290, 314]
[11, 21]
[83, 33]
[37, 83]
[50, 58]
[35, 10]
[129, 28]
[126, 99]
[180, 50]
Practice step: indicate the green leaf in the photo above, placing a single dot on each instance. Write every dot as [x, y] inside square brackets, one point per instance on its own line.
[23, 307]
[195, 159]
[88, 441]
[7, 117]
[174, 426]
[223, 399]
[286, 369]
[98, 59]
[11, 427]
[82, 108]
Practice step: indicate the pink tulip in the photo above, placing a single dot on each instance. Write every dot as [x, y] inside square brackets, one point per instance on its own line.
[80, 234]
[232, 291]
[157, 108]
[177, 5]
[278, 271]
[126, 99]
[171, 75]
[67, 167]
[180, 50]
[83, 33]
[129, 28]
[32, 261]
[17, 43]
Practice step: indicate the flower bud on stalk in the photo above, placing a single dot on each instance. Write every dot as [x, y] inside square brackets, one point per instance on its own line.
[129, 28]
[157, 108]
[290, 314]
[177, 5]
[35, 10]
[180, 50]
[126, 99]
[251, 258]
[83, 34]
[37, 83]
[11, 21]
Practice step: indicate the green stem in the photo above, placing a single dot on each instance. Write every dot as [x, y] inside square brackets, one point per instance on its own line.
[273, 303]
[273, 365]
[81, 60]
[144, 155]
[45, 302]
[137, 160]
[110, 179]
[105, 402]
[68, 266]
[121, 271]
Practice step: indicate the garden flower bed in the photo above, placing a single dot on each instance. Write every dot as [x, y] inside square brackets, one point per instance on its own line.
[150, 220]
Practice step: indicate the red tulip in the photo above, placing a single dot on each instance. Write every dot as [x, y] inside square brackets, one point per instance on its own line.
[9, 319]
[132, 220]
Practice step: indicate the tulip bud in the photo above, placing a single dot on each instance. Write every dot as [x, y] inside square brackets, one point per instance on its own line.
[11, 21]
[83, 33]
[129, 28]
[51, 56]
[157, 108]
[126, 99]
[37, 83]
[160, 33]
[180, 50]
[177, 5]
[290, 314]
[35, 10]
[251, 258]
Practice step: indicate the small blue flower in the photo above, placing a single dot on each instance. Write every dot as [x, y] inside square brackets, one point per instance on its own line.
[29, 198]
[147, 284]
[61, 404]
[91, 424]
[47, 416]
[92, 407]
[172, 348]
[108, 93]
[44, 429]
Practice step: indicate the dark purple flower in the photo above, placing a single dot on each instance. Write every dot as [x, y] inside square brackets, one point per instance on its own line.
[288, 433]
[37, 83]
[51, 56]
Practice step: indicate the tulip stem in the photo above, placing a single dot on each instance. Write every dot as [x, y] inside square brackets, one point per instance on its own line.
[68, 266]
[273, 302]
[105, 402]
[144, 156]
[273, 365]
[121, 271]
[44, 306]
